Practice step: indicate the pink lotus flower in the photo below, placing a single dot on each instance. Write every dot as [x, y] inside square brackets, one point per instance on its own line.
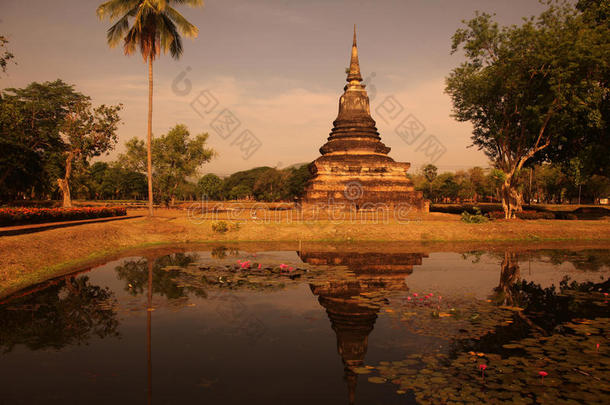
[409, 298]
[482, 367]
[542, 374]
[415, 294]
[259, 266]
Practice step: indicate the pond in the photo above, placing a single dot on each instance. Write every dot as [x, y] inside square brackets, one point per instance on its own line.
[321, 323]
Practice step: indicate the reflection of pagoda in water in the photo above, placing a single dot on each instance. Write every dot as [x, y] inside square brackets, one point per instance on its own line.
[350, 319]
[371, 263]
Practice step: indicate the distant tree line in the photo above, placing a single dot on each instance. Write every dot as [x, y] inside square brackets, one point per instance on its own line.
[542, 183]
[115, 181]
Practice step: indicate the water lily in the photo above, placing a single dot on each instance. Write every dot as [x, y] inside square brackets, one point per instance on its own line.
[542, 374]
[482, 367]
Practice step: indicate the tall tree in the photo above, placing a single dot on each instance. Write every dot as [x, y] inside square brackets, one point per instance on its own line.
[176, 156]
[30, 124]
[155, 26]
[86, 132]
[522, 86]
[209, 187]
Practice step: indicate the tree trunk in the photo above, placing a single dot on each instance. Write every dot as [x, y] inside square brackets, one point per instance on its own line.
[149, 135]
[65, 190]
[512, 199]
[63, 184]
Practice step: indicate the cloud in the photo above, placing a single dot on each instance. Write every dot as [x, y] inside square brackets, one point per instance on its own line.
[291, 121]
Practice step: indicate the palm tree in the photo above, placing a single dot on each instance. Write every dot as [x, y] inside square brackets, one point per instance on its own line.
[155, 26]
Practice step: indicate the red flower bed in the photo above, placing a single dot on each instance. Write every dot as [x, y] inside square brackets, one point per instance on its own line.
[25, 215]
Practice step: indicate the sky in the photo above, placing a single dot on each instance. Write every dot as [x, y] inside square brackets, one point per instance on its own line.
[276, 68]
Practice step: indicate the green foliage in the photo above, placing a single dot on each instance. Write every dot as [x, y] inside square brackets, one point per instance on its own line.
[86, 132]
[210, 187]
[239, 192]
[5, 56]
[267, 183]
[476, 218]
[535, 91]
[39, 125]
[297, 180]
[430, 172]
[224, 227]
[155, 25]
[176, 156]
[104, 181]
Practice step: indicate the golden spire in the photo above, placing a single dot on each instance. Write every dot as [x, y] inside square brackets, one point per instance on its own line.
[354, 66]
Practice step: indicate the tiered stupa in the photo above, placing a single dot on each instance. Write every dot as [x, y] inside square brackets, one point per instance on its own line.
[355, 169]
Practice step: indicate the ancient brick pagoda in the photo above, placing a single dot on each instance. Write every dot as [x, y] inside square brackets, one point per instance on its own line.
[355, 170]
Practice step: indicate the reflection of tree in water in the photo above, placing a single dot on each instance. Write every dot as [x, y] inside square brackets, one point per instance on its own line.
[550, 306]
[221, 252]
[586, 259]
[554, 328]
[70, 312]
[165, 278]
[558, 303]
[540, 310]
[509, 275]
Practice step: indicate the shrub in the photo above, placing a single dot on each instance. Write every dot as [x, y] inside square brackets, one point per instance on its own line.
[535, 215]
[25, 215]
[476, 218]
[524, 215]
[460, 208]
[220, 227]
[223, 227]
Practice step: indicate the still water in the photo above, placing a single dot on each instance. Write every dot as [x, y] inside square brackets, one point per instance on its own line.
[324, 324]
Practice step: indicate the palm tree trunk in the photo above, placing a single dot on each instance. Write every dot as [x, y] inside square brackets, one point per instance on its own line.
[149, 137]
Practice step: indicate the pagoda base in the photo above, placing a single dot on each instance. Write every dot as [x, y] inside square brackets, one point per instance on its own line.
[364, 182]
